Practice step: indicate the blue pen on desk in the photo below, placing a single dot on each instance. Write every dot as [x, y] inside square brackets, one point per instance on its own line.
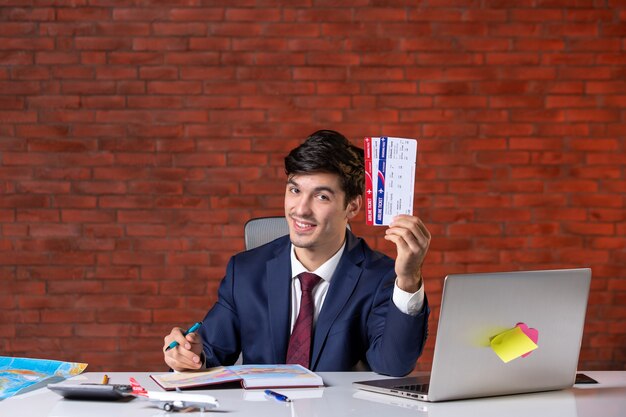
[190, 330]
[279, 397]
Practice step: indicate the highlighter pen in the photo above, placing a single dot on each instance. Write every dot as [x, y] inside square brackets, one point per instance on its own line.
[279, 397]
[190, 330]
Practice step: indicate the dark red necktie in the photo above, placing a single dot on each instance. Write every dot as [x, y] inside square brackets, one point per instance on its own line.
[299, 350]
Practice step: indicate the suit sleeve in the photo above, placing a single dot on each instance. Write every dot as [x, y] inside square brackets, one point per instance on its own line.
[396, 339]
[220, 327]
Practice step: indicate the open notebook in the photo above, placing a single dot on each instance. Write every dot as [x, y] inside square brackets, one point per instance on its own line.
[250, 376]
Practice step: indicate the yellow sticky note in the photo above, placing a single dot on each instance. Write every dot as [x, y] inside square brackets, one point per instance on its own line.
[512, 344]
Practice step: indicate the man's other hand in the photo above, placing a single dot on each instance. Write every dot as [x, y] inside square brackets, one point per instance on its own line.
[412, 239]
[185, 356]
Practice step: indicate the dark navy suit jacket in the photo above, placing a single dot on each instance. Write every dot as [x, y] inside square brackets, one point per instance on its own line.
[358, 321]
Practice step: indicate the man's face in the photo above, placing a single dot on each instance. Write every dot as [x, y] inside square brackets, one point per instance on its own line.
[316, 212]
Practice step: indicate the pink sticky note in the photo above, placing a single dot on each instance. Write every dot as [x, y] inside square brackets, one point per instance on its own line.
[533, 334]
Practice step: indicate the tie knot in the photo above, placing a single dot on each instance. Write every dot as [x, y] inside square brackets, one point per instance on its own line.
[308, 281]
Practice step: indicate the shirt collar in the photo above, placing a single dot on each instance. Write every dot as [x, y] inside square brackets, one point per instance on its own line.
[325, 271]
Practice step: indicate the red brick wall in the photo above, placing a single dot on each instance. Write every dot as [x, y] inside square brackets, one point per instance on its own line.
[135, 141]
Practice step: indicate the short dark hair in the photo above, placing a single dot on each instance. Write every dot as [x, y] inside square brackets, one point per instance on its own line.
[330, 151]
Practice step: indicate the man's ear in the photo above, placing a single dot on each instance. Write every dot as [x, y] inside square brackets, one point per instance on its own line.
[353, 207]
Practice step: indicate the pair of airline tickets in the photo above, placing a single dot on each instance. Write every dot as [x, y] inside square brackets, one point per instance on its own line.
[389, 178]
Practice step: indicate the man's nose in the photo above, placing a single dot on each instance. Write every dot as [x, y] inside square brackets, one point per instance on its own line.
[303, 206]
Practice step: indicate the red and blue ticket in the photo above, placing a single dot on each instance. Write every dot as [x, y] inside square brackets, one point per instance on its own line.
[389, 178]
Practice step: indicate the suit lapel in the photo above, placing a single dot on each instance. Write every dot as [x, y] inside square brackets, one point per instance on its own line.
[341, 287]
[278, 276]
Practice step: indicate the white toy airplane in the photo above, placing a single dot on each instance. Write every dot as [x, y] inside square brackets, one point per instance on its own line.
[174, 401]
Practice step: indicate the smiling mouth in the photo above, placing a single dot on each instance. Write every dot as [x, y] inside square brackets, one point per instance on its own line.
[301, 226]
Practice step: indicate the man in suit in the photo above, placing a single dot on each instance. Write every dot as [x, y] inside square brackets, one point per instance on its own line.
[361, 307]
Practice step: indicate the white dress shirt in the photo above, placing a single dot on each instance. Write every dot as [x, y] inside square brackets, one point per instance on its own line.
[408, 303]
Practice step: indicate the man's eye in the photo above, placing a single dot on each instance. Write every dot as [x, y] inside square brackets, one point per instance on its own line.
[323, 197]
[294, 190]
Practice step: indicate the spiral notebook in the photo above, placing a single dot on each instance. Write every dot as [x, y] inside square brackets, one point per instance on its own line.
[250, 376]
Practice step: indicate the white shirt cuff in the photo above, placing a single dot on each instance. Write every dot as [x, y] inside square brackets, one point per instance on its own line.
[406, 302]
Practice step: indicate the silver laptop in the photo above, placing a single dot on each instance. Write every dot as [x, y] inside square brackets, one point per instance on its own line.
[477, 307]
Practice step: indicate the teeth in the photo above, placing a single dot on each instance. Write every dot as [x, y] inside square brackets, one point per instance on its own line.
[303, 225]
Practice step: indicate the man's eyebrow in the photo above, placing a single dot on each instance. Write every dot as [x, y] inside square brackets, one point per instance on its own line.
[316, 189]
[324, 188]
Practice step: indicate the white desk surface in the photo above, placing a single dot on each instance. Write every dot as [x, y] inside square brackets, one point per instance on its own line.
[338, 398]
